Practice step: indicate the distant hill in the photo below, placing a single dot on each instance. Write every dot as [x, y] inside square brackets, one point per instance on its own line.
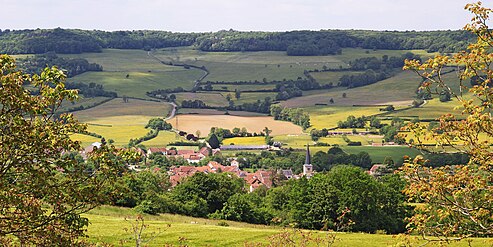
[295, 43]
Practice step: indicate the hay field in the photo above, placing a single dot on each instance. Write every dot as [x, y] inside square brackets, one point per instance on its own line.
[203, 123]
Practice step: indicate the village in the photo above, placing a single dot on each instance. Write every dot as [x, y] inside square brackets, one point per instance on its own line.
[253, 180]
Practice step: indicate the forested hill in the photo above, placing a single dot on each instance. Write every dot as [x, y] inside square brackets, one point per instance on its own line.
[294, 43]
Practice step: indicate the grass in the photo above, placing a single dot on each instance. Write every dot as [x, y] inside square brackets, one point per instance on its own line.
[163, 139]
[107, 225]
[330, 76]
[138, 83]
[85, 102]
[243, 87]
[118, 60]
[203, 123]
[397, 90]
[272, 65]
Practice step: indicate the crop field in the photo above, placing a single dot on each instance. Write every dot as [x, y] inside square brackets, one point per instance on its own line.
[138, 83]
[203, 123]
[218, 112]
[107, 226]
[121, 121]
[401, 91]
[210, 99]
[85, 140]
[328, 116]
[255, 140]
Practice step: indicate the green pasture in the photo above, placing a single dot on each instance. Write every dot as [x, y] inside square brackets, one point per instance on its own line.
[107, 225]
[85, 102]
[118, 60]
[397, 90]
[138, 83]
[333, 77]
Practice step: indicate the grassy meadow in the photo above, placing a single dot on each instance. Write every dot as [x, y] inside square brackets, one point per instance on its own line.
[107, 225]
[397, 90]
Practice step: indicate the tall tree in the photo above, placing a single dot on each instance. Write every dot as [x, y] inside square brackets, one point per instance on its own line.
[458, 200]
[43, 190]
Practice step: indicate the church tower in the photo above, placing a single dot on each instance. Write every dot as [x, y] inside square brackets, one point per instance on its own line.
[307, 167]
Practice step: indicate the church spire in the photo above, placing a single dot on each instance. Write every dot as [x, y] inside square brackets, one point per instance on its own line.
[308, 159]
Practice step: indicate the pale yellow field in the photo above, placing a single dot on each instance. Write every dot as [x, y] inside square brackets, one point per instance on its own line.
[203, 123]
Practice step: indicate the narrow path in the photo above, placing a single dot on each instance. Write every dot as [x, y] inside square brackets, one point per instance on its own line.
[173, 112]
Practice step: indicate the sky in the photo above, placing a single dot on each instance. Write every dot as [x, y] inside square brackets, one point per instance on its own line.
[243, 15]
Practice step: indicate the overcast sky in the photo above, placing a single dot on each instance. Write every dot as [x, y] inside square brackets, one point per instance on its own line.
[214, 15]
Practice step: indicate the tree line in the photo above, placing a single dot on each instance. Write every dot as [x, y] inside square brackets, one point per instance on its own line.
[73, 66]
[296, 43]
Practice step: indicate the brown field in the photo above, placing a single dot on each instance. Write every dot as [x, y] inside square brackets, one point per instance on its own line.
[203, 123]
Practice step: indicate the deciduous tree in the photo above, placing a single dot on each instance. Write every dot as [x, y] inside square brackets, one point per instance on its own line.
[458, 200]
[42, 191]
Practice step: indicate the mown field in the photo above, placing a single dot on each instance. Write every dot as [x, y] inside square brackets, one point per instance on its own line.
[107, 225]
[203, 123]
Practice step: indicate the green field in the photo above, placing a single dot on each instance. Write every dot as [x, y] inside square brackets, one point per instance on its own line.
[107, 226]
[330, 76]
[121, 121]
[397, 90]
[328, 116]
[378, 154]
[138, 83]
[271, 65]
